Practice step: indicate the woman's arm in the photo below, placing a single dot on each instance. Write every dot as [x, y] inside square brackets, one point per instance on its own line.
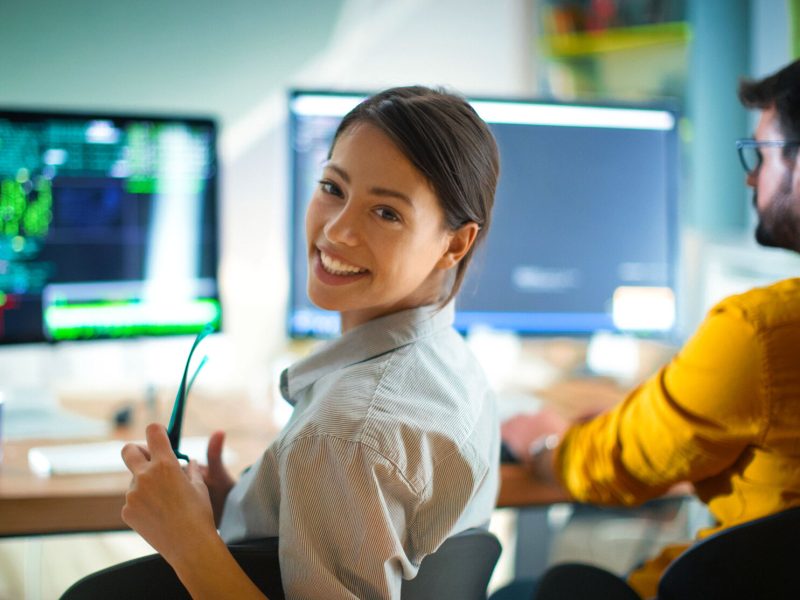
[171, 509]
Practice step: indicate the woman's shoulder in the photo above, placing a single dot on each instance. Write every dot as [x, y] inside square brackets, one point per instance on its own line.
[427, 397]
[435, 397]
[443, 360]
[437, 373]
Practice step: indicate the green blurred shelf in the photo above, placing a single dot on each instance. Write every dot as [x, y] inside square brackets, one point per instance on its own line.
[582, 44]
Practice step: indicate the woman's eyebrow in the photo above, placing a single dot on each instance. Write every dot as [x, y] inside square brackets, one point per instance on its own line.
[381, 191]
[339, 171]
[376, 190]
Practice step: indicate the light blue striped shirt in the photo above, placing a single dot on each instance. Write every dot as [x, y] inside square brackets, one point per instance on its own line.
[393, 446]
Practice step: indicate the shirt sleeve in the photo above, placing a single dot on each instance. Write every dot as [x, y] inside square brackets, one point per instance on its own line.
[688, 422]
[344, 511]
[460, 494]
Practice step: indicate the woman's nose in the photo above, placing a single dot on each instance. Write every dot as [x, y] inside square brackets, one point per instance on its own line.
[342, 226]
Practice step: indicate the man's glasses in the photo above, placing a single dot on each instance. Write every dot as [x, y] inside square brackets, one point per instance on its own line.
[750, 151]
[176, 421]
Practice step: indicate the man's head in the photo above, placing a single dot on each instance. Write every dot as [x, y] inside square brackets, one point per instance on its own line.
[776, 178]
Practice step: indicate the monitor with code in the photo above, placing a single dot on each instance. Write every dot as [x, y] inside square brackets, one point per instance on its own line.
[108, 226]
[584, 231]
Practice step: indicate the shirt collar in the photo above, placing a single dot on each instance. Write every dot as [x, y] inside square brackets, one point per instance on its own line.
[364, 342]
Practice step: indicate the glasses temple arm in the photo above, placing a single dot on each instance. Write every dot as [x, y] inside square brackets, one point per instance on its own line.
[176, 420]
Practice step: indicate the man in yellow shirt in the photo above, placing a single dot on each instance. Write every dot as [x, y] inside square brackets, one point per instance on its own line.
[724, 414]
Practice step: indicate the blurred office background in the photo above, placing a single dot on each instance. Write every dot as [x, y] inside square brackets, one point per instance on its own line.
[235, 61]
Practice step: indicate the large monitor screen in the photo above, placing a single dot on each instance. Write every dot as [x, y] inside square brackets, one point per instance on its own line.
[108, 226]
[584, 228]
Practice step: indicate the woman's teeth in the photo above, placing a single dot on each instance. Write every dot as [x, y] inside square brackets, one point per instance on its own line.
[337, 267]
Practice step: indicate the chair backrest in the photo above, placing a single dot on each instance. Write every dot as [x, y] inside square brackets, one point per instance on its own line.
[152, 577]
[460, 568]
[758, 559]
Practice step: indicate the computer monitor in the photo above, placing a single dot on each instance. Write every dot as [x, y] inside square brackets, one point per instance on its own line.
[584, 231]
[108, 226]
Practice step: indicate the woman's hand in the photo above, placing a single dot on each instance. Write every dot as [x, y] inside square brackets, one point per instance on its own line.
[171, 509]
[167, 505]
[215, 476]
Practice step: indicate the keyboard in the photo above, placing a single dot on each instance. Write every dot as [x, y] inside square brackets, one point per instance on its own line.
[76, 459]
[103, 457]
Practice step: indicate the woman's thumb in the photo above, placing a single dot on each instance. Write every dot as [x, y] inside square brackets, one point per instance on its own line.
[214, 451]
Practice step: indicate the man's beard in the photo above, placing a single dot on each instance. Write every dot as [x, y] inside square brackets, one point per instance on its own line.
[779, 223]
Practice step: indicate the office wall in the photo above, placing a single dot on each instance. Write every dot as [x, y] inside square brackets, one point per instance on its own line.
[234, 60]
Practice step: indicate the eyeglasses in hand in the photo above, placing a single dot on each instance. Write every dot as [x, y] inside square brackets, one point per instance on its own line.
[176, 421]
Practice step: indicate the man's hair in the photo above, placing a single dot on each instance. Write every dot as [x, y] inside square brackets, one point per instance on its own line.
[446, 140]
[781, 90]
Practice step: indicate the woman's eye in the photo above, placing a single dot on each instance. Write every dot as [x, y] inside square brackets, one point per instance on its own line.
[387, 214]
[329, 187]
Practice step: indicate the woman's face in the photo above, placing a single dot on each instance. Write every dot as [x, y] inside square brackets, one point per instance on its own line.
[377, 240]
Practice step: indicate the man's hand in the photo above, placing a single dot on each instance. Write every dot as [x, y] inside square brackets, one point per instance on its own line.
[521, 431]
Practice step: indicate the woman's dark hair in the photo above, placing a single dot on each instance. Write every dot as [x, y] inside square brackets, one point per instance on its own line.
[781, 90]
[446, 140]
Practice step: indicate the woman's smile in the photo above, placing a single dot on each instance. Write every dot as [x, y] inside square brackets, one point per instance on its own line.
[338, 266]
[332, 270]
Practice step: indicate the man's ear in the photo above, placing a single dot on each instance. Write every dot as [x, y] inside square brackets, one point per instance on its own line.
[461, 241]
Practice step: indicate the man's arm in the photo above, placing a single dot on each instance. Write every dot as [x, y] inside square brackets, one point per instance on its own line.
[690, 421]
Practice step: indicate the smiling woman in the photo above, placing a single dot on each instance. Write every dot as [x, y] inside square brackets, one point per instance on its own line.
[377, 237]
[393, 445]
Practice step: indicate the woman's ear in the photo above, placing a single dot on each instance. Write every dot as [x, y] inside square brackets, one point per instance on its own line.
[460, 242]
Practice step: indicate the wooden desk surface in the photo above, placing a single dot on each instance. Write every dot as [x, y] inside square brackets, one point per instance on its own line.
[31, 505]
[519, 489]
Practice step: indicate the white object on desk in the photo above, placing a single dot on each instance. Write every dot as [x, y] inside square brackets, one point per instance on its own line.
[103, 457]
[35, 413]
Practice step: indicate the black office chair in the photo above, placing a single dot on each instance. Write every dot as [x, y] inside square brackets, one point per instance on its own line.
[152, 577]
[460, 568]
[758, 559]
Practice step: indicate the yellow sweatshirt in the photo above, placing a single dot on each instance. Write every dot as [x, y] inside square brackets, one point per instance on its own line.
[724, 415]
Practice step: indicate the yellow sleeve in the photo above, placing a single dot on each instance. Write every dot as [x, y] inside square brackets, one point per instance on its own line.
[691, 420]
